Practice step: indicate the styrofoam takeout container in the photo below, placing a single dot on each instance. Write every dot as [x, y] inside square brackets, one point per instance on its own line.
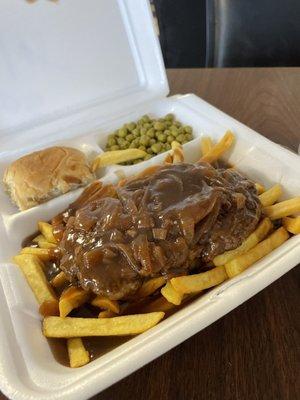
[70, 73]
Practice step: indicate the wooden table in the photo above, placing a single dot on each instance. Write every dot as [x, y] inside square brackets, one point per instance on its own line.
[251, 353]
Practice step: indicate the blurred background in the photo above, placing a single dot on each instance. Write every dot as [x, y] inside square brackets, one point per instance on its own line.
[228, 33]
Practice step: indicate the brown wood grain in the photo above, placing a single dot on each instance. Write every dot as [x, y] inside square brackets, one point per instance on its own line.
[253, 352]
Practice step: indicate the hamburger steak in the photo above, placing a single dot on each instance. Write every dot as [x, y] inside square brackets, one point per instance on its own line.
[168, 223]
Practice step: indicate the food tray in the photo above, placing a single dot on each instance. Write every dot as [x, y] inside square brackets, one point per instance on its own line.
[27, 367]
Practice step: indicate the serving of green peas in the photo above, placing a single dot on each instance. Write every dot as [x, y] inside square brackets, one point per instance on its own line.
[154, 136]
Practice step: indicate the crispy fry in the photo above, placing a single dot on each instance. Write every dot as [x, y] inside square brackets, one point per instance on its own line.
[42, 242]
[33, 269]
[198, 282]
[218, 149]
[283, 209]
[106, 304]
[260, 188]
[168, 159]
[149, 287]
[106, 314]
[259, 234]
[42, 254]
[292, 224]
[49, 308]
[78, 355]
[159, 304]
[240, 263]
[116, 157]
[271, 196]
[177, 152]
[47, 231]
[117, 326]
[59, 280]
[171, 294]
[71, 298]
[206, 145]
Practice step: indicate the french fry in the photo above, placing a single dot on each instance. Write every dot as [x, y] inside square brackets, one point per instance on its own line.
[116, 157]
[149, 287]
[59, 280]
[218, 149]
[49, 308]
[177, 152]
[292, 224]
[70, 299]
[260, 188]
[78, 355]
[259, 234]
[160, 304]
[196, 283]
[283, 209]
[168, 159]
[270, 196]
[33, 269]
[106, 304]
[117, 326]
[106, 314]
[171, 295]
[242, 262]
[42, 254]
[47, 231]
[42, 242]
[206, 145]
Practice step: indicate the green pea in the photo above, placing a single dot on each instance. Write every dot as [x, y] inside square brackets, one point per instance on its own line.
[136, 132]
[152, 141]
[188, 129]
[178, 124]
[144, 140]
[142, 148]
[147, 157]
[136, 161]
[174, 130]
[156, 148]
[147, 125]
[122, 132]
[168, 124]
[181, 130]
[130, 137]
[136, 142]
[115, 147]
[162, 137]
[185, 141]
[150, 133]
[125, 145]
[188, 136]
[111, 141]
[168, 146]
[169, 117]
[180, 138]
[159, 126]
[170, 139]
[143, 131]
[145, 118]
[149, 150]
[131, 126]
[132, 145]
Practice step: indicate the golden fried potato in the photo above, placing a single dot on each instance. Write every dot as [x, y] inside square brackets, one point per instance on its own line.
[283, 209]
[106, 314]
[106, 304]
[260, 188]
[116, 157]
[78, 355]
[59, 280]
[47, 231]
[72, 298]
[220, 148]
[171, 294]
[292, 224]
[198, 282]
[206, 145]
[242, 262]
[259, 234]
[49, 308]
[117, 326]
[177, 152]
[43, 243]
[33, 269]
[149, 287]
[42, 254]
[271, 196]
[160, 304]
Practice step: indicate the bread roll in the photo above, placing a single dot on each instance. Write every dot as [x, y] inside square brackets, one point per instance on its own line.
[45, 174]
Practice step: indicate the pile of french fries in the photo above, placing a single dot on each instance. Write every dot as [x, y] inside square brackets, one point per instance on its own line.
[156, 296]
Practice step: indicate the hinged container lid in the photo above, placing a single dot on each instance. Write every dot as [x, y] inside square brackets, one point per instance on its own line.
[60, 58]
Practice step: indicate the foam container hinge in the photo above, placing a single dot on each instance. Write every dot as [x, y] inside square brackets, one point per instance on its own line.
[28, 369]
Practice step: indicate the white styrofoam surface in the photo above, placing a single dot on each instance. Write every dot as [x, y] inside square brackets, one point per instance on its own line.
[28, 369]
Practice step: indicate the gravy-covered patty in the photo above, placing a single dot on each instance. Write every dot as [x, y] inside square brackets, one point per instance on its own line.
[166, 223]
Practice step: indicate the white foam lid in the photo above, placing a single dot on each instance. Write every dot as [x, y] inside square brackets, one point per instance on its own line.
[72, 56]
